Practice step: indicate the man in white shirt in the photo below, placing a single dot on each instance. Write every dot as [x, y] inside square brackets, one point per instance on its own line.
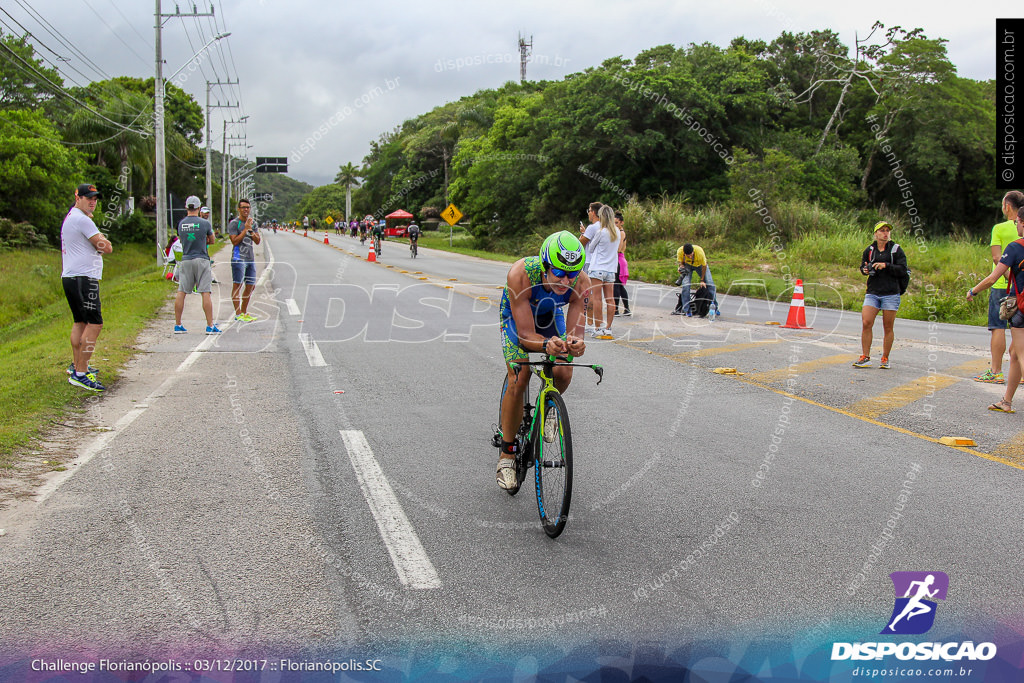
[82, 246]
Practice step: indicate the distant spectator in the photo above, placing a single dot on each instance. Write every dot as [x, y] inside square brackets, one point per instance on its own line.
[622, 274]
[1002, 234]
[603, 240]
[195, 273]
[592, 210]
[82, 246]
[884, 263]
[243, 234]
[1012, 260]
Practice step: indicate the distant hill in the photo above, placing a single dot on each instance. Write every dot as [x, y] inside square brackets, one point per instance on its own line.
[287, 191]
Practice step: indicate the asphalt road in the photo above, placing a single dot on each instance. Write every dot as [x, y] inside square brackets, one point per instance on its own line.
[322, 480]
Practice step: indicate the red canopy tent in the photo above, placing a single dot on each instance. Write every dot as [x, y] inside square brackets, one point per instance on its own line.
[396, 222]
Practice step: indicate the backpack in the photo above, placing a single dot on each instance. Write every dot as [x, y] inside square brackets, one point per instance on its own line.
[700, 302]
[904, 279]
[1011, 276]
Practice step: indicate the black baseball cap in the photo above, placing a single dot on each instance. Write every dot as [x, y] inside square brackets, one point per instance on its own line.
[87, 190]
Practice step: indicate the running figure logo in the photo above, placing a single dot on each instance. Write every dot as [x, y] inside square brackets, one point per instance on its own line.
[914, 611]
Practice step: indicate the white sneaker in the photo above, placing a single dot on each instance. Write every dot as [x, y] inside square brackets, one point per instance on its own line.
[507, 473]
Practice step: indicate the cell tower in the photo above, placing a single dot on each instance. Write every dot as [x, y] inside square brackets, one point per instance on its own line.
[525, 50]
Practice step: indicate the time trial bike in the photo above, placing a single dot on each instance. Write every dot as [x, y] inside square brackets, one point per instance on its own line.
[545, 442]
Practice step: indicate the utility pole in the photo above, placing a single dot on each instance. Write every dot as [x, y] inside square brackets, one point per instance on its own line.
[224, 164]
[525, 50]
[158, 114]
[209, 134]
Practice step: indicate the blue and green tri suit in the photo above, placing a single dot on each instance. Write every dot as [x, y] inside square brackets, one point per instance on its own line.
[548, 317]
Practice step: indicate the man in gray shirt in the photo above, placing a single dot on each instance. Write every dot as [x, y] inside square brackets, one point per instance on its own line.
[194, 272]
[243, 234]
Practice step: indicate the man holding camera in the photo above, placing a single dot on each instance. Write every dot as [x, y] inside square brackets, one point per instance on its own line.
[243, 234]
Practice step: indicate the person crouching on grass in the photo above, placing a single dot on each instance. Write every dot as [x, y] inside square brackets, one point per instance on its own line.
[1012, 260]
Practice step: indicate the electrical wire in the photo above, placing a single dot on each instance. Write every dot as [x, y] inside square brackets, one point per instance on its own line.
[59, 90]
[60, 57]
[48, 26]
[116, 34]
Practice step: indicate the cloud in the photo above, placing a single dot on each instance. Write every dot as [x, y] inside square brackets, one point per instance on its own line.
[302, 62]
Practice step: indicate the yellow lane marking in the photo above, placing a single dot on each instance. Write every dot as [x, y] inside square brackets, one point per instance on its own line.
[1011, 458]
[900, 396]
[1012, 450]
[971, 367]
[770, 376]
[1019, 464]
[917, 389]
[721, 349]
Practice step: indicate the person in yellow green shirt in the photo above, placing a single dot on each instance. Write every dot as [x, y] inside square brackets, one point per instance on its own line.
[692, 260]
[1002, 235]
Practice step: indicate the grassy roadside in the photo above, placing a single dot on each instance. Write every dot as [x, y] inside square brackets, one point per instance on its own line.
[821, 248]
[35, 324]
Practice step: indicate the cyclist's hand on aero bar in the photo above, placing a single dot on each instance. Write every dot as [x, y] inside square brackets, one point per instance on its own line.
[576, 345]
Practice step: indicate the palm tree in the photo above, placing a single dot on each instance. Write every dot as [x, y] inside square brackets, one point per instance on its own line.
[348, 175]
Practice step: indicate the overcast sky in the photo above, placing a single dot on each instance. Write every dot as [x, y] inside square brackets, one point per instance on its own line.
[373, 64]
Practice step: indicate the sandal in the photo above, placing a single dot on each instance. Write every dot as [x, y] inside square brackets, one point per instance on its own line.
[1002, 407]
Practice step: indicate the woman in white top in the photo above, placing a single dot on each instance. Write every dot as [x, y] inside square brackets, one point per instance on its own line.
[602, 242]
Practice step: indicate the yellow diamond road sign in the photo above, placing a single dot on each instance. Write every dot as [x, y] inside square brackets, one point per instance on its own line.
[451, 215]
[328, 220]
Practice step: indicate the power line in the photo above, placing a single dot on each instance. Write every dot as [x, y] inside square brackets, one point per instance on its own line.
[59, 90]
[116, 34]
[130, 25]
[48, 26]
[58, 140]
[36, 40]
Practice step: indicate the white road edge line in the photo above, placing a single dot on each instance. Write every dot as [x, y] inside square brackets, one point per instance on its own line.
[407, 554]
[98, 444]
[313, 355]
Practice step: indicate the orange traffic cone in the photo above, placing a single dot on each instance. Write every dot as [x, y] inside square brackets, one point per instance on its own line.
[325, 239]
[797, 318]
[372, 256]
[305, 233]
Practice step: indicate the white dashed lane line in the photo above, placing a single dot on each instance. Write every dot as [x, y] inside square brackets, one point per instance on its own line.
[414, 568]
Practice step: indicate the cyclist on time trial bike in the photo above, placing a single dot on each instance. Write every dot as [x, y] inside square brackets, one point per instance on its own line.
[538, 288]
[414, 233]
[377, 231]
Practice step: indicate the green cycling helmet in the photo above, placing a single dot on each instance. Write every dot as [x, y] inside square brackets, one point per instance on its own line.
[564, 251]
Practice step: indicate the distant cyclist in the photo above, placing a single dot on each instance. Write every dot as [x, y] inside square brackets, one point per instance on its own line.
[538, 288]
[414, 234]
[378, 234]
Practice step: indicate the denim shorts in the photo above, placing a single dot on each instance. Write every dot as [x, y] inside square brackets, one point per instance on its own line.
[602, 275]
[886, 302]
[995, 297]
[243, 271]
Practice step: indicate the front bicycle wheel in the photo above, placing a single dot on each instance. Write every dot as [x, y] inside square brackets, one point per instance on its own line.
[553, 465]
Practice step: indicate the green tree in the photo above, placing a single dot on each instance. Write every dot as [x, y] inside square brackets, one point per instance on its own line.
[23, 78]
[321, 202]
[348, 175]
[37, 172]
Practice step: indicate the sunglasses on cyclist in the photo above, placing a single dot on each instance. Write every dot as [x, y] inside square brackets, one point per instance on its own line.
[558, 272]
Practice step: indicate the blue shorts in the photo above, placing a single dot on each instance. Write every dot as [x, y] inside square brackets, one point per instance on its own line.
[886, 302]
[995, 297]
[243, 271]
